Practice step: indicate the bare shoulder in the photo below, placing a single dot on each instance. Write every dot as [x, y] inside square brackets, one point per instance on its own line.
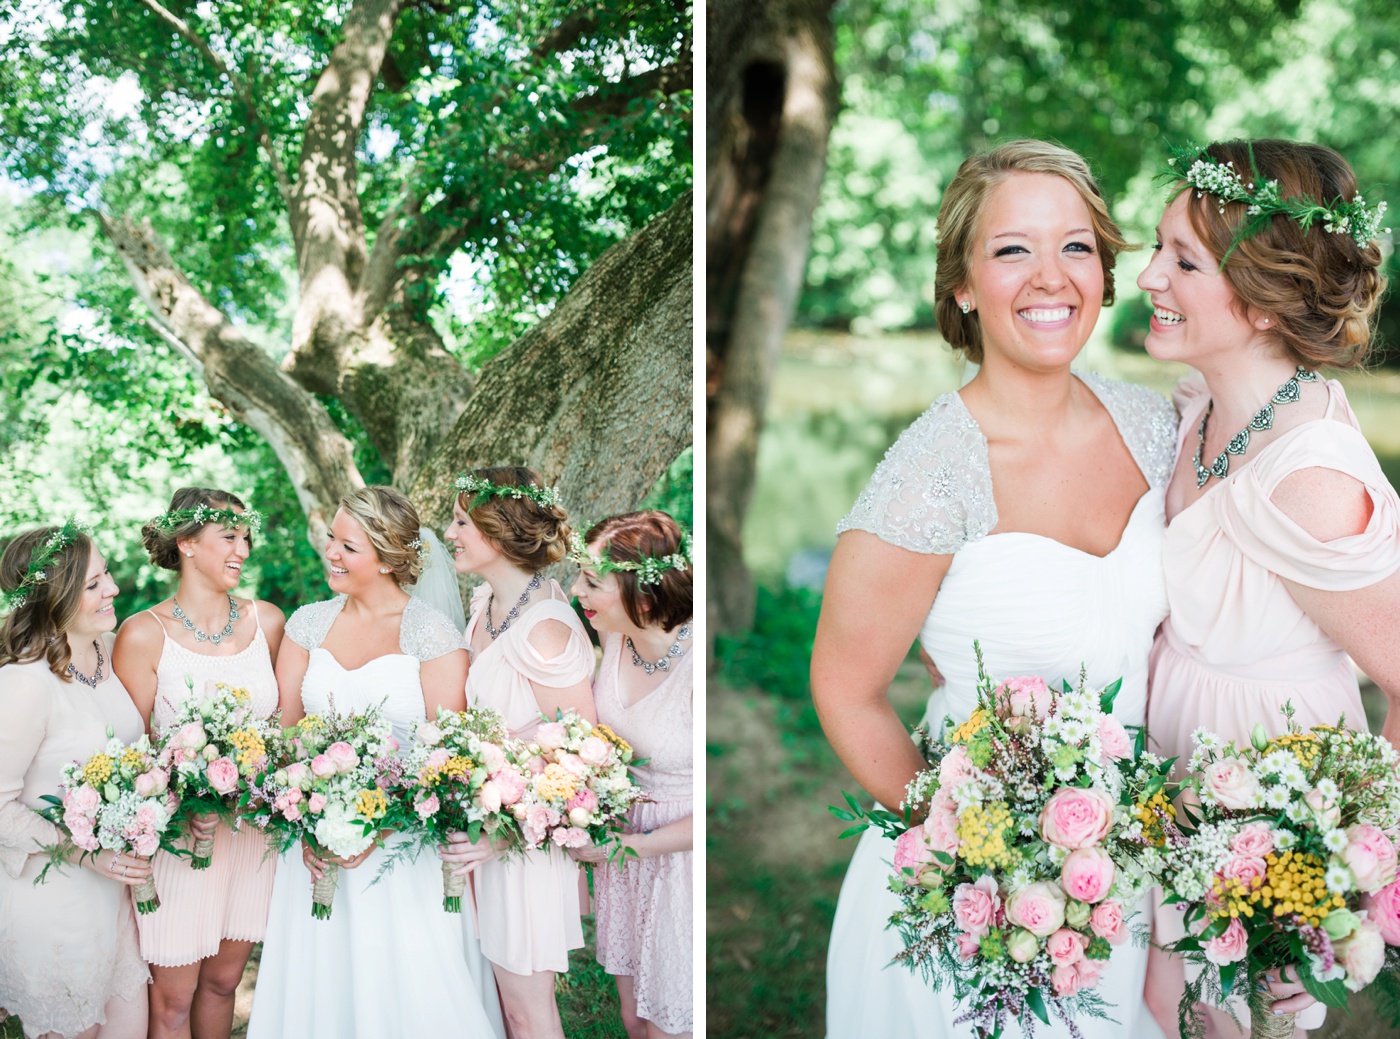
[269, 616]
[550, 637]
[140, 633]
[1327, 503]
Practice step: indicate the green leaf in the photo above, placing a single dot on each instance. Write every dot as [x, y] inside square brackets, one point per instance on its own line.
[1109, 694]
[851, 831]
[1332, 993]
[942, 857]
[1036, 1002]
[841, 813]
[1215, 929]
[1227, 979]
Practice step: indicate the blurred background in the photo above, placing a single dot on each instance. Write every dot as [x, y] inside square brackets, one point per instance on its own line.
[832, 130]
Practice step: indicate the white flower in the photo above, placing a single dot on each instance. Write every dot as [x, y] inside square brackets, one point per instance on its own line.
[1338, 878]
[1334, 840]
[1277, 797]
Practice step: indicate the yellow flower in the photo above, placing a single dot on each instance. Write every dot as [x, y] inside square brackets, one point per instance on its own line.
[97, 771]
[131, 759]
[617, 741]
[556, 783]
[1152, 813]
[371, 803]
[458, 767]
[982, 836]
[237, 692]
[971, 727]
[250, 746]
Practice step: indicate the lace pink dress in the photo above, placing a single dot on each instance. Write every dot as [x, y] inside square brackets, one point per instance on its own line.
[644, 908]
[527, 906]
[69, 944]
[201, 908]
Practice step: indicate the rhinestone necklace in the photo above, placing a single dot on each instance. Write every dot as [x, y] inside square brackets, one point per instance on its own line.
[514, 612]
[1263, 419]
[664, 664]
[97, 675]
[202, 636]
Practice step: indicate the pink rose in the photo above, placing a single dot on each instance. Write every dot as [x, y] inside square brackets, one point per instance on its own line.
[1384, 906]
[1362, 954]
[536, 764]
[152, 783]
[1022, 946]
[538, 819]
[1229, 947]
[343, 756]
[1039, 908]
[594, 751]
[316, 803]
[941, 825]
[1066, 947]
[437, 758]
[147, 819]
[292, 813]
[322, 766]
[1106, 921]
[968, 945]
[1232, 783]
[1113, 739]
[191, 736]
[146, 844]
[574, 764]
[580, 816]
[975, 905]
[1087, 875]
[1255, 840]
[86, 799]
[1245, 869]
[298, 775]
[428, 806]
[428, 734]
[1076, 818]
[489, 796]
[83, 837]
[1065, 981]
[955, 768]
[493, 757]
[1021, 701]
[510, 783]
[1088, 972]
[551, 735]
[570, 837]
[585, 799]
[1370, 856]
[222, 774]
[911, 850]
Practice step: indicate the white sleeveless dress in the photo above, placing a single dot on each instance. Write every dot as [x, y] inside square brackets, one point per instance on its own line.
[389, 961]
[1038, 607]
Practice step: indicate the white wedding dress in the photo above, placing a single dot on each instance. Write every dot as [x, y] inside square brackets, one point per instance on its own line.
[1037, 607]
[389, 963]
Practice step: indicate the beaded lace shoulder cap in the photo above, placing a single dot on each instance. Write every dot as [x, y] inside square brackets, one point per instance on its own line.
[933, 491]
[307, 627]
[1145, 419]
[425, 633]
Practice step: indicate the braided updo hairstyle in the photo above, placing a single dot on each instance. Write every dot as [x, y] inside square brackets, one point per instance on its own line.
[163, 545]
[530, 535]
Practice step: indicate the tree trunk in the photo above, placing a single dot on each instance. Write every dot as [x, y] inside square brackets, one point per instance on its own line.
[772, 102]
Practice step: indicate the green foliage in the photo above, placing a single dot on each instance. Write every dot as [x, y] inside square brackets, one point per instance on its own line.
[674, 493]
[777, 654]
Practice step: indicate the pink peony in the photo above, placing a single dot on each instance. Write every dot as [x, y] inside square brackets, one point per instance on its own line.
[911, 850]
[594, 751]
[152, 783]
[1370, 856]
[343, 756]
[426, 807]
[1113, 739]
[315, 804]
[1066, 947]
[1106, 921]
[322, 766]
[574, 764]
[147, 819]
[489, 796]
[538, 819]
[437, 758]
[1232, 783]
[1384, 906]
[941, 825]
[1229, 947]
[1039, 908]
[222, 774]
[955, 768]
[493, 757]
[1254, 840]
[510, 783]
[190, 737]
[291, 813]
[975, 905]
[551, 735]
[298, 775]
[428, 734]
[1076, 818]
[968, 945]
[570, 837]
[1362, 954]
[1087, 875]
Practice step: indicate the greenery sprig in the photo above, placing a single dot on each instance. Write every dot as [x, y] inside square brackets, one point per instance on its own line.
[41, 560]
[648, 569]
[483, 490]
[250, 518]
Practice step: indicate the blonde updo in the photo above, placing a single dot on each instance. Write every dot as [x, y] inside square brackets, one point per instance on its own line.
[530, 535]
[391, 523]
[1320, 288]
[163, 544]
[36, 628]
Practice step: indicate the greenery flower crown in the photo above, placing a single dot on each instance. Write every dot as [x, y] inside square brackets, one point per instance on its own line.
[1262, 201]
[40, 561]
[201, 514]
[648, 569]
[484, 490]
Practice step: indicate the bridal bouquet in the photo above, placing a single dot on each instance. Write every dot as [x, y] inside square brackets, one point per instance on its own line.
[329, 790]
[1046, 825]
[213, 747]
[1291, 862]
[577, 783]
[458, 776]
[120, 799]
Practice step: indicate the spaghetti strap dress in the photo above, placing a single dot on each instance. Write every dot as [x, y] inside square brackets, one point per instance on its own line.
[528, 905]
[229, 900]
[644, 906]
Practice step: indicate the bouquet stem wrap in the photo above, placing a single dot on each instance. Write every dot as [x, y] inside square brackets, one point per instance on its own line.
[203, 853]
[323, 892]
[1263, 1022]
[147, 901]
[452, 888]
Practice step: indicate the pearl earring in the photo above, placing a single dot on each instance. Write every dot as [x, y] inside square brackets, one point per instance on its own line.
[190, 554]
[383, 569]
[965, 306]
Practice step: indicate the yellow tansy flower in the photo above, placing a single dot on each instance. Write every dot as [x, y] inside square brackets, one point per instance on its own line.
[556, 783]
[371, 803]
[98, 770]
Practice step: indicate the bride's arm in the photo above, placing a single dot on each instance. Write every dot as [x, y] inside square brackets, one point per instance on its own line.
[877, 597]
[290, 670]
[444, 682]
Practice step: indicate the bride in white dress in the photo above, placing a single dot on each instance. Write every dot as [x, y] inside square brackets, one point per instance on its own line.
[389, 962]
[1024, 511]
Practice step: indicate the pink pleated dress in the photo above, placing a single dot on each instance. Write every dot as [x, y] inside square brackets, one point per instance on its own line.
[644, 909]
[229, 900]
[527, 906]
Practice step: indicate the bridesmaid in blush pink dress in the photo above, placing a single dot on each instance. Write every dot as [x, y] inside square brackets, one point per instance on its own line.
[1282, 556]
[634, 585]
[530, 657]
[200, 941]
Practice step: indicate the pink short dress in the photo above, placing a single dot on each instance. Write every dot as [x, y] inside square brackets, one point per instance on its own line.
[644, 908]
[68, 945]
[527, 906]
[229, 900]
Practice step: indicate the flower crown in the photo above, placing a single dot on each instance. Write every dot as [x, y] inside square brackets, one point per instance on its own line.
[483, 490]
[1262, 201]
[201, 514]
[40, 560]
[648, 569]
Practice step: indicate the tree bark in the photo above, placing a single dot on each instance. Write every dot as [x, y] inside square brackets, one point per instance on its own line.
[773, 99]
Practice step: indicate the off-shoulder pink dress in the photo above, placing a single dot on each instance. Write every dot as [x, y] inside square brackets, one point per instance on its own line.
[644, 907]
[1236, 646]
[229, 900]
[527, 906]
[69, 944]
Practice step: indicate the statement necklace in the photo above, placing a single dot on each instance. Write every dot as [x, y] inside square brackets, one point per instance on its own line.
[514, 612]
[97, 675]
[201, 636]
[1263, 419]
[664, 664]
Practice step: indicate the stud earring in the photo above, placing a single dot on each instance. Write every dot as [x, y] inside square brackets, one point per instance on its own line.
[383, 569]
[190, 554]
[965, 306]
